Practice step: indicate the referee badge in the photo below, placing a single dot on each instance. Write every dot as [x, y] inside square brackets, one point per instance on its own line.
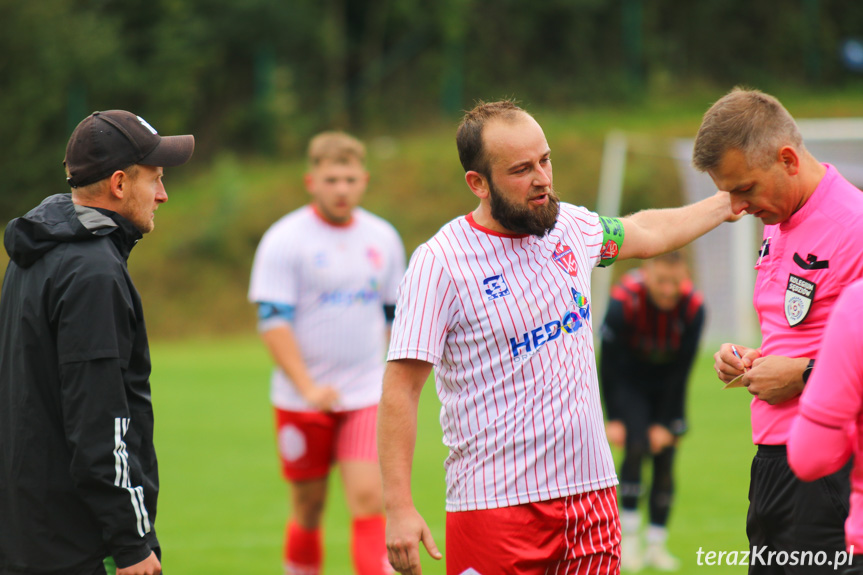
[798, 299]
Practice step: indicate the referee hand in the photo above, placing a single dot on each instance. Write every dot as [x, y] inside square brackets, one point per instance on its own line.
[729, 365]
[404, 532]
[775, 378]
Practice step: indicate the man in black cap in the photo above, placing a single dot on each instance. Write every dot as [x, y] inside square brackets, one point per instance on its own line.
[78, 473]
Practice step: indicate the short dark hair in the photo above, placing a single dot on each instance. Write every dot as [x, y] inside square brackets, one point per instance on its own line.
[468, 138]
[90, 191]
[747, 120]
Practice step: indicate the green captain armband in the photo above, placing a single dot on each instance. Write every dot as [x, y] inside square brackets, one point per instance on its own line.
[612, 239]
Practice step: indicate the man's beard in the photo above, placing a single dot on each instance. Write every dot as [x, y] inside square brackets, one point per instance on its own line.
[524, 219]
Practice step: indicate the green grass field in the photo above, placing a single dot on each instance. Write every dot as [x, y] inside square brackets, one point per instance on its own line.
[223, 503]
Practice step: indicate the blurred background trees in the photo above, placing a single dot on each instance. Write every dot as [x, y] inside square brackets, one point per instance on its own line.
[260, 76]
[254, 79]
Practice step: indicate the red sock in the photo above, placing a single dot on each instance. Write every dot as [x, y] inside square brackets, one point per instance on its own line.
[370, 546]
[302, 550]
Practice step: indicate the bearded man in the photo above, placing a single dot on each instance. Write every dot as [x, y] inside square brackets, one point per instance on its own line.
[498, 302]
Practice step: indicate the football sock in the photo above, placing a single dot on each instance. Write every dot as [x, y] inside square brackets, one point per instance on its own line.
[630, 521]
[656, 534]
[302, 550]
[369, 547]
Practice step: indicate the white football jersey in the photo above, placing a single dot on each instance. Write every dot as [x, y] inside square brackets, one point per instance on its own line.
[338, 278]
[506, 321]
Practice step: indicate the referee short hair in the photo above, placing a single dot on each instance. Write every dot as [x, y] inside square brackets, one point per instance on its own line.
[751, 121]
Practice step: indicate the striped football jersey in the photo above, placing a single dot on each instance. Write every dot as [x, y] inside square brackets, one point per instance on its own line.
[506, 321]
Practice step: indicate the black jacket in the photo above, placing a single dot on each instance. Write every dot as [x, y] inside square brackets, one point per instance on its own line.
[78, 475]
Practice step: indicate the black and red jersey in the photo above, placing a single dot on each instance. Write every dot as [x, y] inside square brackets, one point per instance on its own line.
[643, 345]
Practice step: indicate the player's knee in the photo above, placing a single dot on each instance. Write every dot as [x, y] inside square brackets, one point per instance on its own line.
[366, 502]
[660, 438]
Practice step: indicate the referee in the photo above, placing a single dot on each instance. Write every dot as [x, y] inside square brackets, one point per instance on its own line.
[649, 340]
[812, 249]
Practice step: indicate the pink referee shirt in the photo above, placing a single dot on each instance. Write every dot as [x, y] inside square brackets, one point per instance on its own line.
[827, 429]
[506, 322]
[807, 261]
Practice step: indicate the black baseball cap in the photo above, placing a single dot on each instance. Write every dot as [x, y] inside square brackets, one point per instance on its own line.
[105, 142]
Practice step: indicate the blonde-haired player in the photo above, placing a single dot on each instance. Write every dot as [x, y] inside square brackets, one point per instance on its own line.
[324, 280]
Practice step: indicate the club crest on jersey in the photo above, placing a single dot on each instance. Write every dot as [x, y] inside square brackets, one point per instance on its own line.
[798, 299]
[565, 259]
[375, 258]
[495, 287]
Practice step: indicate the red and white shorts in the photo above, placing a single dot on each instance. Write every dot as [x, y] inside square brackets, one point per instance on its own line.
[309, 442]
[575, 535]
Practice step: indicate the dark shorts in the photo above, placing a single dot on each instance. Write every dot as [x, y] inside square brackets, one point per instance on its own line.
[645, 403]
[788, 515]
[856, 567]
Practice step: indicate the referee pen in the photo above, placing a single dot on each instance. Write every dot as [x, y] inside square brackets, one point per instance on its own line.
[737, 355]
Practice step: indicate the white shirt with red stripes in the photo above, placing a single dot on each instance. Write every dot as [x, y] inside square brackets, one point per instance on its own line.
[506, 322]
[337, 278]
